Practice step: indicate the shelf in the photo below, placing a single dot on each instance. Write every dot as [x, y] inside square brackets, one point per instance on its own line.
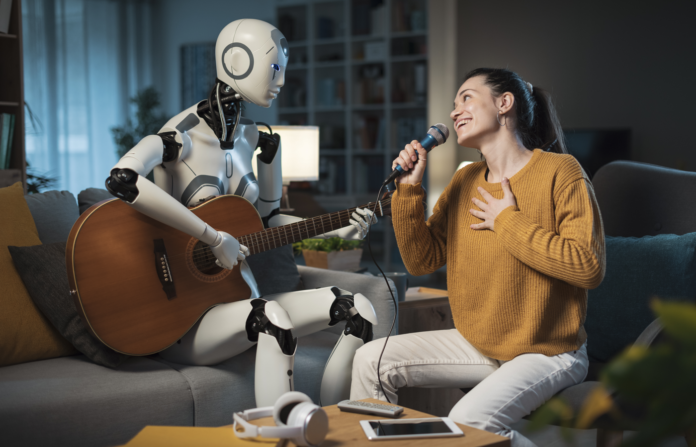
[367, 107]
[331, 64]
[368, 37]
[408, 105]
[410, 58]
[289, 110]
[358, 62]
[331, 152]
[333, 40]
[7, 36]
[409, 34]
[297, 67]
[298, 43]
[341, 108]
[369, 152]
[9, 104]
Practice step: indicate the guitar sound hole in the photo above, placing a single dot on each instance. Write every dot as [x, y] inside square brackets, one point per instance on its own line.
[204, 260]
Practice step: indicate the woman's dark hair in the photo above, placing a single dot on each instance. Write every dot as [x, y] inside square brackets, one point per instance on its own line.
[537, 121]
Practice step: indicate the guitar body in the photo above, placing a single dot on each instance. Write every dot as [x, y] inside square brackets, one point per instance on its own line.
[123, 288]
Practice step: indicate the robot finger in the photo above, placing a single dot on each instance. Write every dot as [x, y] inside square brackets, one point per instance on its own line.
[361, 227]
[244, 249]
[371, 217]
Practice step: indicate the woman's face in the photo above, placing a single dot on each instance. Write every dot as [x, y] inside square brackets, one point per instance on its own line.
[475, 113]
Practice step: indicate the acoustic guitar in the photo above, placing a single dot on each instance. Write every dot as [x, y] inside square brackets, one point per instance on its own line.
[140, 285]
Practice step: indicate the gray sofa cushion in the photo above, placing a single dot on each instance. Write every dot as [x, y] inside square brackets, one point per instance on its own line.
[42, 269]
[220, 390]
[70, 401]
[90, 196]
[54, 213]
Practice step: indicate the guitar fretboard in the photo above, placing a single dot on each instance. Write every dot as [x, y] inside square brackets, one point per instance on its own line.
[287, 234]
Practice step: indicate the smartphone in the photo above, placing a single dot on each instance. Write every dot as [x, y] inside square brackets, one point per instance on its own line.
[377, 430]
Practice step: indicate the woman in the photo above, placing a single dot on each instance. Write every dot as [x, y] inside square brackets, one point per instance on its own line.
[522, 238]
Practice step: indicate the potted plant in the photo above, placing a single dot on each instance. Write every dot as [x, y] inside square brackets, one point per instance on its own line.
[333, 253]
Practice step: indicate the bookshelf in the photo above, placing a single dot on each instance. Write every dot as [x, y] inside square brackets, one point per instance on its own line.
[12, 95]
[358, 71]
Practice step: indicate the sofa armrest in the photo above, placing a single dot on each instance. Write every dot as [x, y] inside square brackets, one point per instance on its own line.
[373, 287]
[649, 334]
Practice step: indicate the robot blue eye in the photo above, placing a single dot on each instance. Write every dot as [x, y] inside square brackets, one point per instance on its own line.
[276, 67]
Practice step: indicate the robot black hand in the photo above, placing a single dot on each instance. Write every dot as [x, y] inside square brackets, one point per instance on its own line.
[229, 251]
[269, 144]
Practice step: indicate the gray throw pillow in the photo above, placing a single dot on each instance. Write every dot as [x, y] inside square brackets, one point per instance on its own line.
[638, 269]
[54, 213]
[275, 271]
[90, 196]
[43, 271]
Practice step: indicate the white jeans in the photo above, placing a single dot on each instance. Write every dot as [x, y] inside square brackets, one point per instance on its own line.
[504, 391]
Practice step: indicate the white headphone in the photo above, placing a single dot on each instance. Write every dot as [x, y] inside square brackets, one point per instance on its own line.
[296, 416]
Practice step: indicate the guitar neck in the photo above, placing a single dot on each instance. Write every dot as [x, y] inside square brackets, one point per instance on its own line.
[287, 234]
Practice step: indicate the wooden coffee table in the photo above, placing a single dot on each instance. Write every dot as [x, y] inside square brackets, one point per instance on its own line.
[345, 430]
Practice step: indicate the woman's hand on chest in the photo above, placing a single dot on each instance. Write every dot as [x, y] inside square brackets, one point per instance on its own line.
[491, 207]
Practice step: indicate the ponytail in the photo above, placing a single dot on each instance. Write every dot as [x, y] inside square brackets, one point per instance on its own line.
[537, 121]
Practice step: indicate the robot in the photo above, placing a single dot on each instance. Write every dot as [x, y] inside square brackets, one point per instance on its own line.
[206, 151]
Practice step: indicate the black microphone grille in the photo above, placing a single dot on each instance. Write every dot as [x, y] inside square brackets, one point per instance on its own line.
[440, 132]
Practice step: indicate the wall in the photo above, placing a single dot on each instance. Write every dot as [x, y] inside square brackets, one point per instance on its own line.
[178, 22]
[607, 64]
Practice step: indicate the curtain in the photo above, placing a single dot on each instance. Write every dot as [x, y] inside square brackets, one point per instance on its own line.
[83, 60]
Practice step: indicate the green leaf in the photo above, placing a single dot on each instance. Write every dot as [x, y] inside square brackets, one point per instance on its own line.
[678, 319]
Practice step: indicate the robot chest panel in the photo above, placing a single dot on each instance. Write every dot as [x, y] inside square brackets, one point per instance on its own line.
[211, 171]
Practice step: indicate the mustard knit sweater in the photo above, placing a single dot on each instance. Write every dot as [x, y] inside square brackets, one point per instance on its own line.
[523, 287]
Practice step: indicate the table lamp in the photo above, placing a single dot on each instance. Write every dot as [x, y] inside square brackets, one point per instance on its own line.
[300, 152]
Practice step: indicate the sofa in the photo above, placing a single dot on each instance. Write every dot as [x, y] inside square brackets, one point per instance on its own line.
[71, 401]
[650, 229]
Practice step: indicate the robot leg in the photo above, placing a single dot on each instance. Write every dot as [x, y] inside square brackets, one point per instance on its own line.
[230, 329]
[314, 310]
[270, 325]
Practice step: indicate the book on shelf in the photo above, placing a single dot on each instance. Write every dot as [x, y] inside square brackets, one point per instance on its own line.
[331, 92]
[404, 130]
[5, 12]
[370, 132]
[7, 121]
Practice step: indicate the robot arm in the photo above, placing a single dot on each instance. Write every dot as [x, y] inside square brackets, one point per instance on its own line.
[268, 166]
[271, 191]
[127, 182]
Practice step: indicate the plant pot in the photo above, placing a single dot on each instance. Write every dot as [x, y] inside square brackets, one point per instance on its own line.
[347, 260]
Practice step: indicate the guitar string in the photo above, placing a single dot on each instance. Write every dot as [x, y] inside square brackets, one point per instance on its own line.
[341, 221]
[203, 254]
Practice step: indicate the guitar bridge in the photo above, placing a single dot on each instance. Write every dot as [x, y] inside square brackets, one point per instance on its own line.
[164, 272]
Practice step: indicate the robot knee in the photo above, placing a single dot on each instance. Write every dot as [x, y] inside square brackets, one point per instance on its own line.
[275, 323]
[121, 183]
[352, 309]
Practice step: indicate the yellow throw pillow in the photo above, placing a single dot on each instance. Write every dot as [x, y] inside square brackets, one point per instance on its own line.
[25, 334]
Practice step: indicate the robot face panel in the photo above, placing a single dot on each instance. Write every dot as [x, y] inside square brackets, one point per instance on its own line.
[251, 57]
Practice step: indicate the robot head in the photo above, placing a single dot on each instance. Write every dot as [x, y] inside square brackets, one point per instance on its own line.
[251, 56]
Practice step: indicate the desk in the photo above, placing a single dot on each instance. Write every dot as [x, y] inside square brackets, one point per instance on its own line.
[345, 430]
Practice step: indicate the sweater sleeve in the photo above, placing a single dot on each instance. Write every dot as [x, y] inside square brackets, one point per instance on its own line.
[574, 255]
[422, 244]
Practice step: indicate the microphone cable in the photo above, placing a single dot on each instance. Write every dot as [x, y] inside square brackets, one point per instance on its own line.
[396, 306]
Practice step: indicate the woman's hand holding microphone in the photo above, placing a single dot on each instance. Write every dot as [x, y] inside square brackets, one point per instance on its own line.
[413, 172]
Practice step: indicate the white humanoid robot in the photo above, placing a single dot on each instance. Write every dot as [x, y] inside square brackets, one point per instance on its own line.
[206, 151]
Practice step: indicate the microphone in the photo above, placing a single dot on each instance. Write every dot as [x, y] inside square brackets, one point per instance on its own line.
[437, 135]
